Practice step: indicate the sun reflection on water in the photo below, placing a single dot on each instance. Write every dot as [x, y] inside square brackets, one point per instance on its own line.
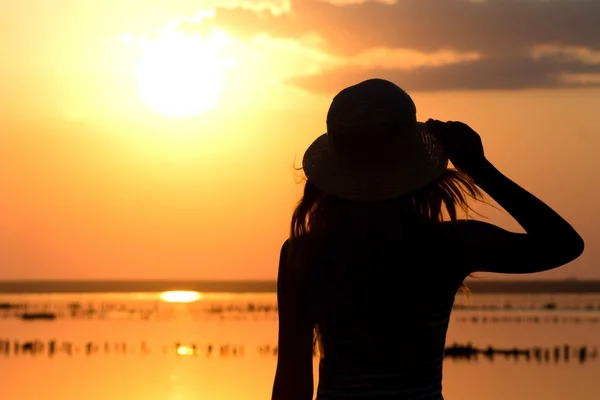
[185, 350]
[180, 296]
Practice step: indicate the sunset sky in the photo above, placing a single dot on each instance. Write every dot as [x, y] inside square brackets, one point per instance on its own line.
[156, 139]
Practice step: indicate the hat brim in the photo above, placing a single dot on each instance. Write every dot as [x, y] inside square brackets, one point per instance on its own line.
[375, 182]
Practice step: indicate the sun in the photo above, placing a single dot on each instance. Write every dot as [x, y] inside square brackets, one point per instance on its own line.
[182, 74]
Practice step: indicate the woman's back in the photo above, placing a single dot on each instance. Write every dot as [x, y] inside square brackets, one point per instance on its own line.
[382, 305]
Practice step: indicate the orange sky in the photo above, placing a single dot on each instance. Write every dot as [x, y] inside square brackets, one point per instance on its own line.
[156, 139]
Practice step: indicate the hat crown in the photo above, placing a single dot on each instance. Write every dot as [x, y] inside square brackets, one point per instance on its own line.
[365, 119]
[370, 103]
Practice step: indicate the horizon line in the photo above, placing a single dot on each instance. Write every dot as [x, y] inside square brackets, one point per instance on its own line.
[30, 286]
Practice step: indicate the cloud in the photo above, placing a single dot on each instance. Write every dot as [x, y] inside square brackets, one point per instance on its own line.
[433, 44]
[491, 27]
[591, 79]
[483, 74]
[566, 53]
[407, 59]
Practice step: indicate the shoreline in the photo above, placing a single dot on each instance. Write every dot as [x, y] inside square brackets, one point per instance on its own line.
[152, 286]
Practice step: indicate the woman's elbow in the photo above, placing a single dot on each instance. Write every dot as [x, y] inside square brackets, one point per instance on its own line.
[569, 249]
[577, 247]
[555, 253]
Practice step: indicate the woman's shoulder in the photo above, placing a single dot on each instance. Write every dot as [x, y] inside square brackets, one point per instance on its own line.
[464, 234]
[467, 229]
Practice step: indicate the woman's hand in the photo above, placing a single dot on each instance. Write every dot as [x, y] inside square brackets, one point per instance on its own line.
[461, 143]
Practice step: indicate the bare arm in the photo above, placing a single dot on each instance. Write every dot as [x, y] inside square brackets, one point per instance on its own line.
[549, 241]
[294, 374]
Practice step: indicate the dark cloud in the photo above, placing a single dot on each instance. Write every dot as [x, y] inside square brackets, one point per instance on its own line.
[486, 74]
[502, 31]
[490, 27]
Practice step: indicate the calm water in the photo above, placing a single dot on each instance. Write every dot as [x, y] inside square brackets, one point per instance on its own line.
[221, 347]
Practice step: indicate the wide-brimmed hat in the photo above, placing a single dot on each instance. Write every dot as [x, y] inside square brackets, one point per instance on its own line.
[374, 148]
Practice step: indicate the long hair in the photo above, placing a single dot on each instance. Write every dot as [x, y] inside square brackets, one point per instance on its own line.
[441, 200]
[438, 201]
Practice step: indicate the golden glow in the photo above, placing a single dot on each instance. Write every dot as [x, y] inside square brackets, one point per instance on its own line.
[185, 350]
[181, 74]
[180, 296]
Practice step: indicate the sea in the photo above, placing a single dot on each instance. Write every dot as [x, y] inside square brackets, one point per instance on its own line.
[218, 341]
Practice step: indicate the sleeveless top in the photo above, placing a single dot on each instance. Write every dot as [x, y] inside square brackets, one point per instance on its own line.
[405, 367]
[382, 310]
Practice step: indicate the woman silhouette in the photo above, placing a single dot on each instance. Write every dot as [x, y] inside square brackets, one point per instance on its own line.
[377, 252]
